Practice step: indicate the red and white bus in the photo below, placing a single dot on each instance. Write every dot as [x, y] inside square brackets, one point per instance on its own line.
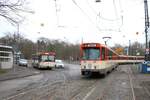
[44, 60]
[96, 57]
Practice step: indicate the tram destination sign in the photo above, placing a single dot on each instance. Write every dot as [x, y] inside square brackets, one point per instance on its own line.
[90, 45]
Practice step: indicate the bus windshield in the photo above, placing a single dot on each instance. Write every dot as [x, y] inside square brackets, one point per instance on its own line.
[91, 54]
[46, 58]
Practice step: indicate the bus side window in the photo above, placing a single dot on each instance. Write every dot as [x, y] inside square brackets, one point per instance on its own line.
[103, 53]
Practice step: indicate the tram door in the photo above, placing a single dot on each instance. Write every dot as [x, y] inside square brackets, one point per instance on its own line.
[103, 53]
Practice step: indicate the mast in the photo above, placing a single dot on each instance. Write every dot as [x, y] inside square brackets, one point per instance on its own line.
[147, 54]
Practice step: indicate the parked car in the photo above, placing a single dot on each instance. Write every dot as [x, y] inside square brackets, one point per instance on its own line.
[59, 63]
[23, 62]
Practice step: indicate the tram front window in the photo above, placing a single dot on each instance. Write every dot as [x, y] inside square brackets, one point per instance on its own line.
[91, 54]
[46, 58]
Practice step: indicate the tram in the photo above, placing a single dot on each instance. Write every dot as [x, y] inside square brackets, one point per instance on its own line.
[44, 60]
[99, 58]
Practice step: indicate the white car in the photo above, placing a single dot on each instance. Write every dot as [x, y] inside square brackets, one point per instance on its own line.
[59, 63]
[23, 62]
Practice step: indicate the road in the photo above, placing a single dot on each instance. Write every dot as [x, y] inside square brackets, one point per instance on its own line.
[68, 84]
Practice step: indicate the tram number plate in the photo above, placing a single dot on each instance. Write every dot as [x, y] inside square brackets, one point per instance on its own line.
[89, 66]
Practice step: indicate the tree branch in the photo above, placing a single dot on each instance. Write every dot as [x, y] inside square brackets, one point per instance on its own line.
[10, 10]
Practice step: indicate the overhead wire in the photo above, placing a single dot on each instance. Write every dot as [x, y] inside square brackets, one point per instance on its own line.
[85, 14]
[116, 14]
[99, 13]
[115, 8]
[106, 19]
[121, 10]
[56, 8]
[89, 18]
[87, 1]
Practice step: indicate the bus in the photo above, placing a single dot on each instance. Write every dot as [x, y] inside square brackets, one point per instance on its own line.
[44, 60]
[6, 57]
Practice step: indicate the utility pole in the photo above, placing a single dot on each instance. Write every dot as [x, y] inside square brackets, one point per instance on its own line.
[147, 54]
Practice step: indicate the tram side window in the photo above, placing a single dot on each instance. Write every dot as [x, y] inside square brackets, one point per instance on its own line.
[110, 55]
[103, 53]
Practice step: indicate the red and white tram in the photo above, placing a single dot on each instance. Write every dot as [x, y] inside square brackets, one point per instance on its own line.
[44, 60]
[96, 57]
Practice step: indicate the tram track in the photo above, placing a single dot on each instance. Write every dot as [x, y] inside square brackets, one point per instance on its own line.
[131, 83]
[133, 74]
[107, 88]
[50, 90]
[75, 87]
[84, 90]
[46, 87]
[86, 93]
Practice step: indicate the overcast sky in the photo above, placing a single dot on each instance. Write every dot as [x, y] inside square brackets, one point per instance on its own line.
[77, 20]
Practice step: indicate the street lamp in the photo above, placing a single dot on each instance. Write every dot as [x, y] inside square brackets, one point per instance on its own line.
[18, 31]
[106, 39]
[42, 24]
[129, 49]
[97, 0]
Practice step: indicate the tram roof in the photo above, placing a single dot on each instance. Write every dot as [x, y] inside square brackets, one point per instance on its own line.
[102, 45]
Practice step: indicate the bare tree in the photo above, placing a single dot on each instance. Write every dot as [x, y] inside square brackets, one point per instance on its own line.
[11, 10]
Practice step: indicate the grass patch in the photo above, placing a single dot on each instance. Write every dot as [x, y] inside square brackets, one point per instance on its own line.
[2, 71]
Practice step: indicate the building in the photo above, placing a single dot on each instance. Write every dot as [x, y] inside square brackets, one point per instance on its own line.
[6, 57]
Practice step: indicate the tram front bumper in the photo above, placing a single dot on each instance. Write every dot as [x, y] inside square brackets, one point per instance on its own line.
[101, 71]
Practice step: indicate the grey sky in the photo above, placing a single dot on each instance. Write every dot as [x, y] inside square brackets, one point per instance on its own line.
[74, 20]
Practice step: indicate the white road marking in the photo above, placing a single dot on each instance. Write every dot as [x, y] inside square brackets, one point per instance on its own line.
[89, 93]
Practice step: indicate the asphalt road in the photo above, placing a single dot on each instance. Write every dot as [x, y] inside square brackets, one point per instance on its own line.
[68, 84]
[17, 88]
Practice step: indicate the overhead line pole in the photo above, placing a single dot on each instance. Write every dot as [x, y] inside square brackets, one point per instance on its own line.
[147, 55]
[146, 21]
